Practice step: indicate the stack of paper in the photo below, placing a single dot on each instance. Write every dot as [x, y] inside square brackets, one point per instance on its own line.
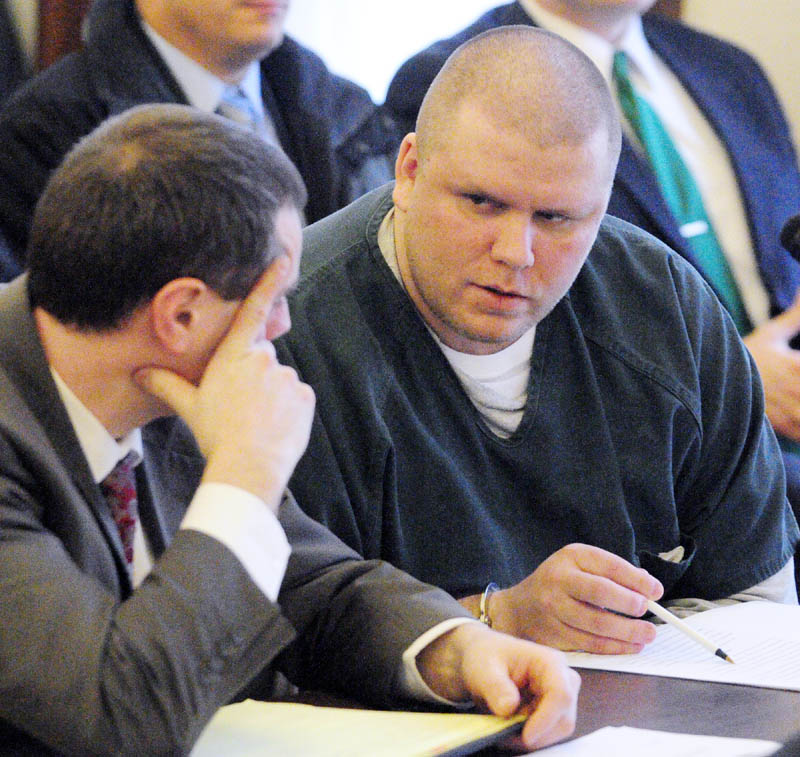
[763, 638]
[254, 728]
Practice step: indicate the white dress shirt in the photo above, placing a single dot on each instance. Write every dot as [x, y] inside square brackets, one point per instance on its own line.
[203, 89]
[239, 520]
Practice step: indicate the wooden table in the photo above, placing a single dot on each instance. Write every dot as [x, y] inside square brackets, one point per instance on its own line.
[673, 704]
[666, 704]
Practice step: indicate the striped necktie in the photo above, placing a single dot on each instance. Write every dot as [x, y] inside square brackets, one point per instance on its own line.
[237, 106]
[680, 192]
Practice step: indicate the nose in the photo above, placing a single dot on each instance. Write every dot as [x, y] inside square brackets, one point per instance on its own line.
[513, 244]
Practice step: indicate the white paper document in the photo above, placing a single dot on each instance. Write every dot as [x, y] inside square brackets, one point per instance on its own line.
[290, 729]
[763, 639]
[616, 741]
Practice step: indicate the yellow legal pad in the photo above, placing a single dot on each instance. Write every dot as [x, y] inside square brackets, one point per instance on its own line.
[253, 728]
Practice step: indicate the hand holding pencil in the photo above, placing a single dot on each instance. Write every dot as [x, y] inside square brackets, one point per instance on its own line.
[581, 597]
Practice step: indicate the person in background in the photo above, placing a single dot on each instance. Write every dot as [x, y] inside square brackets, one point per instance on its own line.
[13, 72]
[9, 267]
[705, 147]
[223, 55]
[532, 404]
[153, 568]
[13, 68]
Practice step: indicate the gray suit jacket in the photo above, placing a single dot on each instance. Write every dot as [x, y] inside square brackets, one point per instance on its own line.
[89, 667]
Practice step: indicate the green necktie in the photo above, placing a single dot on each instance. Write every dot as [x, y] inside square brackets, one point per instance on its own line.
[680, 192]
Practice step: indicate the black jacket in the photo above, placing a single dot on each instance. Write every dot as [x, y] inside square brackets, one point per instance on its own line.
[330, 128]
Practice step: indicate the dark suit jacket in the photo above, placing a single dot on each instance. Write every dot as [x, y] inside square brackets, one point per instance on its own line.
[9, 266]
[89, 667]
[735, 97]
[13, 70]
[330, 128]
[738, 101]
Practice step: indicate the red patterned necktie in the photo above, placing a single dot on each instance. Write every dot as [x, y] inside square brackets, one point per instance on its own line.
[119, 489]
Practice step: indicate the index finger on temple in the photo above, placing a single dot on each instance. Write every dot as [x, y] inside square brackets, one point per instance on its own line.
[250, 321]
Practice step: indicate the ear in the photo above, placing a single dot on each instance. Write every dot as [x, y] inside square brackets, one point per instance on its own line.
[405, 171]
[175, 311]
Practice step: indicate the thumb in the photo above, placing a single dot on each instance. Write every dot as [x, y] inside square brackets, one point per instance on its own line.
[169, 387]
[493, 684]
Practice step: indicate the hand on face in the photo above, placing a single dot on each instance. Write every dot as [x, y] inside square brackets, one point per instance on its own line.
[505, 675]
[572, 600]
[251, 415]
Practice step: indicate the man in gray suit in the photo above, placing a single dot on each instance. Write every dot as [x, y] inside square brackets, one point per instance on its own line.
[131, 609]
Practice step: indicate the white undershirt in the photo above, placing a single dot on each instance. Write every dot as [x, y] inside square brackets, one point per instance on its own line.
[699, 146]
[484, 380]
[496, 384]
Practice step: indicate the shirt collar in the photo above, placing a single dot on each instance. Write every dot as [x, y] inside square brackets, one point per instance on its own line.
[102, 451]
[639, 52]
[203, 89]
[599, 50]
[251, 86]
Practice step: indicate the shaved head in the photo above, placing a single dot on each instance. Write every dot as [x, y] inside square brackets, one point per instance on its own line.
[525, 79]
[501, 190]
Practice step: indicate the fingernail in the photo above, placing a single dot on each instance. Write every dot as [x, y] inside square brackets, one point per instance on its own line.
[141, 376]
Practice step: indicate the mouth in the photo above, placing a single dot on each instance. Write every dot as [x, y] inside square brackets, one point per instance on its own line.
[272, 7]
[501, 292]
[502, 300]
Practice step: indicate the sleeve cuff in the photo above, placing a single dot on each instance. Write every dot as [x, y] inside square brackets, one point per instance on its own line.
[247, 527]
[412, 684]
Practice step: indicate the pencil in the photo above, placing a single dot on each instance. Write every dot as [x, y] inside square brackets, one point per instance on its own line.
[674, 620]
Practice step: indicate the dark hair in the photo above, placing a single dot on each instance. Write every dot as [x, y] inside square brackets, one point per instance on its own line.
[156, 193]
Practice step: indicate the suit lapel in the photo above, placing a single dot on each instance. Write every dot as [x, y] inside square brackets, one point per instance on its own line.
[311, 150]
[717, 98]
[516, 14]
[172, 466]
[169, 476]
[714, 95]
[24, 361]
[636, 179]
[125, 66]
